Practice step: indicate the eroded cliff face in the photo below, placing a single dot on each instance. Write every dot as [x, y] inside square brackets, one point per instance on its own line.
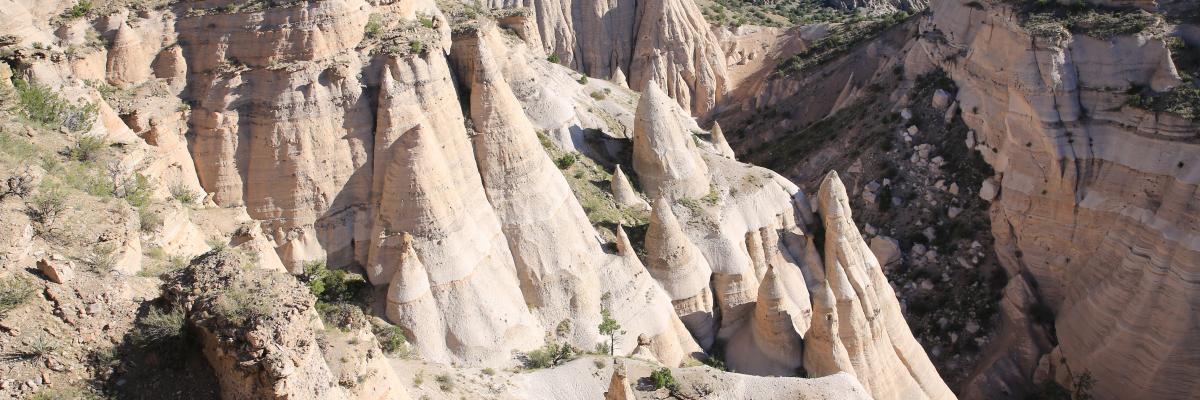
[1095, 199]
[662, 41]
[422, 157]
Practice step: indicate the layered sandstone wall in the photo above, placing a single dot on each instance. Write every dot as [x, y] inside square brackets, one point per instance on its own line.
[1095, 199]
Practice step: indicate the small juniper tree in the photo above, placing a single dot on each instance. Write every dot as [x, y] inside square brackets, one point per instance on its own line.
[610, 327]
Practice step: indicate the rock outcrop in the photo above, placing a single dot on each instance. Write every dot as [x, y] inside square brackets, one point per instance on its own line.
[645, 311]
[256, 328]
[252, 142]
[411, 306]
[676, 49]
[128, 60]
[774, 345]
[320, 131]
[618, 387]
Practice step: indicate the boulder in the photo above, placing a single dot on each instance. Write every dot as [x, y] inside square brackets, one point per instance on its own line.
[941, 99]
[953, 212]
[618, 386]
[57, 269]
[988, 190]
[886, 250]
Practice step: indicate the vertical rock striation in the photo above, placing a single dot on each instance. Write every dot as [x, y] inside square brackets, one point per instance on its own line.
[667, 42]
[533, 202]
[677, 51]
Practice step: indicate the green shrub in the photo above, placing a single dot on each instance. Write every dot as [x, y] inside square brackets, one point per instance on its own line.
[344, 316]
[39, 348]
[662, 378]
[47, 204]
[566, 161]
[598, 95]
[43, 106]
[14, 291]
[1183, 101]
[79, 10]
[1109, 24]
[547, 356]
[163, 265]
[425, 20]
[240, 305]
[883, 200]
[104, 257]
[182, 194]
[445, 382]
[553, 58]
[136, 191]
[416, 47]
[563, 328]
[330, 285]
[87, 148]
[158, 328]
[374, 27]
[392, 339]
[148, 221]
[583, 80]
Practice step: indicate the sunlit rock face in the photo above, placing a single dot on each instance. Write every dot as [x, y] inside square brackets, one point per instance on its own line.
[1096, 198]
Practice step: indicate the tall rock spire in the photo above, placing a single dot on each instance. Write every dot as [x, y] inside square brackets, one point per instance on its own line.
[682, 271]
[532, 199]
[469, 267]
[623, 192]
[718, 141]
[665, 157]
[644, 309]
[776, 327]
[128, 60]
[869, 327]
